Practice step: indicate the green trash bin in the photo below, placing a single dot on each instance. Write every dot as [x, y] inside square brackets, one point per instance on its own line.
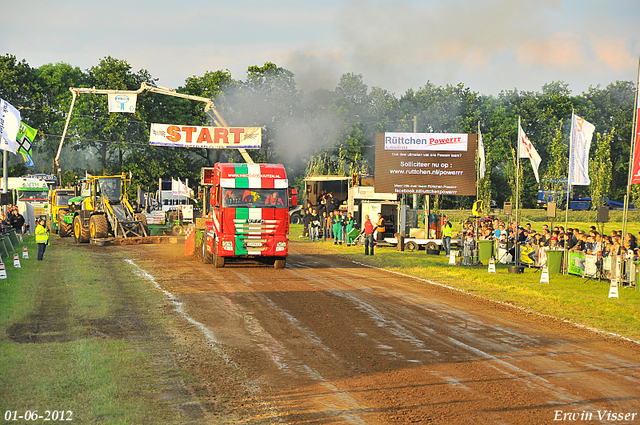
[3, 248]
[485, 251]
[13, 236]
[554, 260]
[8, 244]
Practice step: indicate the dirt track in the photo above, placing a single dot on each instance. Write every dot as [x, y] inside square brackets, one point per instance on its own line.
[330, 341]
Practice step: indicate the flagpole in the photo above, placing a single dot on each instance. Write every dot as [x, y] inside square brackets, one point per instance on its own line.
[517, 250]
[478, 164]
[625, 212]
[566, 209]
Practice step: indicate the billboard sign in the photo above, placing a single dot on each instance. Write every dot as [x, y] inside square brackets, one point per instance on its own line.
[426, 163]
[186, 136]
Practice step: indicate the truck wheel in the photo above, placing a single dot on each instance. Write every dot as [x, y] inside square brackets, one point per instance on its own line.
[296, 219]
[280, 263]
[432, 246]
[218, 261]
[177, 230]
[80, 232]
[64, 229]
[207, 258]
[98, 226]
[411, 246]
[142, 219]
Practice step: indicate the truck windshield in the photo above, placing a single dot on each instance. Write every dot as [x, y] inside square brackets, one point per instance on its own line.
[111, 188]
[33, 195]
[62, 200]
[254, 198]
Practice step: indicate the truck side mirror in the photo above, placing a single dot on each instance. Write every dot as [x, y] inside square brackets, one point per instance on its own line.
[213, 197]
[293, 197]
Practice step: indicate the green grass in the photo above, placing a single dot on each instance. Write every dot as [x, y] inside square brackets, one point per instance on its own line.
[567, 297]
[81, 364]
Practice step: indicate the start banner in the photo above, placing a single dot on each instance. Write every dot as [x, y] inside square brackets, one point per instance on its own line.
[186, 136]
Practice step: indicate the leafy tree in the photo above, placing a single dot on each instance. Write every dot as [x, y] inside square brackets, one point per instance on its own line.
[54, 102]
[554, 178]
[110, 134]
[600, 169]
[608, 108]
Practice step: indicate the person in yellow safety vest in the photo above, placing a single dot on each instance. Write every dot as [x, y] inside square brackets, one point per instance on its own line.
[42, 238]
[447, 232]
[478, 206]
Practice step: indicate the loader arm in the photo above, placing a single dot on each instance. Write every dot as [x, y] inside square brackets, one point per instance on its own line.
[75, 91]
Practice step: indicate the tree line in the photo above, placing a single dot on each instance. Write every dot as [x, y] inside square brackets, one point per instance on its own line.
[312, 132]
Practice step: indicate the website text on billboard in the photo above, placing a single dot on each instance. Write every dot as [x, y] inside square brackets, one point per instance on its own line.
[426, 163]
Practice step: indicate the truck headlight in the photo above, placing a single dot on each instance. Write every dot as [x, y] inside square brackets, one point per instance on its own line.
[227, 245]
[281, 246]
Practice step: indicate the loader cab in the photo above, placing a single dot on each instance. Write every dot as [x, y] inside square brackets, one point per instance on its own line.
[110, 188]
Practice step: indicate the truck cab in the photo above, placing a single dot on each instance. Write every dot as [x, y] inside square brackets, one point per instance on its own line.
[247, 214]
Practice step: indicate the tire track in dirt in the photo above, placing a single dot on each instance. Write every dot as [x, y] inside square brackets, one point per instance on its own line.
[327, 340]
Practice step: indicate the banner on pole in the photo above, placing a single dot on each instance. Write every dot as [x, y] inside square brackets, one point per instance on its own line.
[635, 168]
[526, 150]
[482, 166]
[25, 137]
[184, 136]
[9, 126]
[122, 102]
[579, 154]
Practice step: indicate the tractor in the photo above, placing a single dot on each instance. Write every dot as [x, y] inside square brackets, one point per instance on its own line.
[103, 210]
[59, 208]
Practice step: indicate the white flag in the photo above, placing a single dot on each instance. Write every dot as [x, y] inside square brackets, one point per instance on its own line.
[9, 126]
[122, 102]
[579, 154]
[482, 167]
[526, 150]
[184, 190]
[175, 187]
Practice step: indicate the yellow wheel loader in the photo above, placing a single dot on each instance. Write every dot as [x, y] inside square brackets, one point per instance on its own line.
[103, 210]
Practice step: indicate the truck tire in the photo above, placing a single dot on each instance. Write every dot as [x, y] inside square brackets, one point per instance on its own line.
[411, 246]
[98, 226]
[142, 219]
[295, 219]
[432, 246]
[64, 229]
[218, 261]
[207, 258]
[80, 232]
[177, 230]
[280, 263]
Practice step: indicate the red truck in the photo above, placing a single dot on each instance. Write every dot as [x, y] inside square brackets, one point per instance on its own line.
[247, 213]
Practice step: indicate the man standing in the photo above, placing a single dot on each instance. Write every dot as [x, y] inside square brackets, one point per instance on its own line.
[323, 225]
[368, 229]
[42, 238]
[351, 223]
[447, 233]
[306, 221]
[314, 226]
[337, 228]
[380, 228]
[17, 221]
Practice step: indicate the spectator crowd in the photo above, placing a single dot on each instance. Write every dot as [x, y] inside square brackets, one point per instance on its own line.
[533, 244]
[12, 219]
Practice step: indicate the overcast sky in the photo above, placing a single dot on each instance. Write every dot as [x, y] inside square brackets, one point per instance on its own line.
[488, 45]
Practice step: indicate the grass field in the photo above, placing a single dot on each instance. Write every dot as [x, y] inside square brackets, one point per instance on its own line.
[567, 297]
[73, 339]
